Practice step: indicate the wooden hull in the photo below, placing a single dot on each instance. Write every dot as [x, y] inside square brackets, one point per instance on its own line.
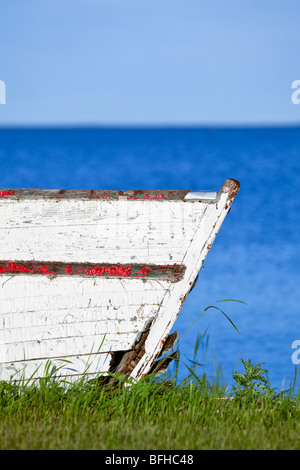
[98, 278]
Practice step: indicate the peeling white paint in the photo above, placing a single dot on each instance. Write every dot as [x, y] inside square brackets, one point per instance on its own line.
[57, 318]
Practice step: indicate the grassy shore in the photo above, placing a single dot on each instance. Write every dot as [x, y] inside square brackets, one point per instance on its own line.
[154, 414]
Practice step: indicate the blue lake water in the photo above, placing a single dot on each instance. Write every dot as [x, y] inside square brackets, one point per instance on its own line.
[255, 257]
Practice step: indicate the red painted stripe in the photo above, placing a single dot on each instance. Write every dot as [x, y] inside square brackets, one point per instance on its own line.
[6, 193]
[172, 272]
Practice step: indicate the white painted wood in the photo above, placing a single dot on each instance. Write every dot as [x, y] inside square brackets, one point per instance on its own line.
[24, 293]
[203, 196]
[205, 233]
[46, 317]
[70, 368]
[97, 231]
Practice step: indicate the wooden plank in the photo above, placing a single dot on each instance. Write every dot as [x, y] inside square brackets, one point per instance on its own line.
[61, 347]
[76, 329]
[69, 367]
[41, 293]
[116, 261]
[71, 315]
[205, 234]
[97, 231]
[142, 194]
[172, 273]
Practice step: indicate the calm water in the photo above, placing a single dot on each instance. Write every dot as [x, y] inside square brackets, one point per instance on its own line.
[255, 257]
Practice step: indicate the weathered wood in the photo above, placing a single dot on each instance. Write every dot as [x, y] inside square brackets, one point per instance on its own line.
[100, 274]
[70, 367]
[204, 236]
[109, 195]
[172, 273]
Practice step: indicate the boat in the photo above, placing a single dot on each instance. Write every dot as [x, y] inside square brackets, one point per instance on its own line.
[92, 281]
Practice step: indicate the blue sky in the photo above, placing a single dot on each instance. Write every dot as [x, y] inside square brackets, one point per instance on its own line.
[149, 61]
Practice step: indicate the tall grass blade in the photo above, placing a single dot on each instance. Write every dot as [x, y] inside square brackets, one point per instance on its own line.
[220, 310]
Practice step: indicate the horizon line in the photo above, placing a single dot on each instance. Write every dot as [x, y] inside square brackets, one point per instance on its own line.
[150, 125]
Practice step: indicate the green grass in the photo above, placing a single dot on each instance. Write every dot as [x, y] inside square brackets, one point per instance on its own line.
[150, 415]
[153, 414]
